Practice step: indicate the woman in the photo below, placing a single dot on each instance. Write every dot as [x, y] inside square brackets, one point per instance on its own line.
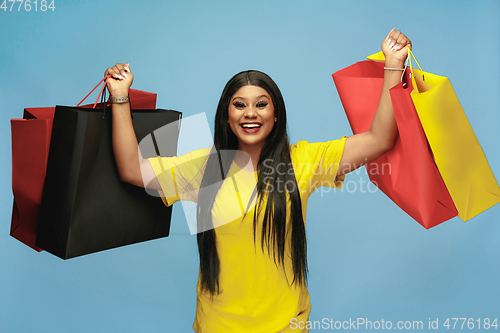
[251, 232]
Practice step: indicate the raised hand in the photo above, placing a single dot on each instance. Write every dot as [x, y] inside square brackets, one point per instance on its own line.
[394, 47]
[121, 79]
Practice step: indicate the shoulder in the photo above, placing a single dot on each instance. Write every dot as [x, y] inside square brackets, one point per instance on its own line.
[193, 160]
[195, 156]
[316, 164]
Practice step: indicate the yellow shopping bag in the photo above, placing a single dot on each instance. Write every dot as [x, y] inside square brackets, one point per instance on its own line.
[457, 153]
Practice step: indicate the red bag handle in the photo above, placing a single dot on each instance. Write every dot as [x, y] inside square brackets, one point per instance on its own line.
[105, 79]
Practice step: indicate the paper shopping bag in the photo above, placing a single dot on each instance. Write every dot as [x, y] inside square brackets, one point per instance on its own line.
[457, 152]
[407, 174]
[30, 148]
[86, 208]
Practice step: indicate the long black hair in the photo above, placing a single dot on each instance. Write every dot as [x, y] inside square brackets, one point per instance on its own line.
[274, 187]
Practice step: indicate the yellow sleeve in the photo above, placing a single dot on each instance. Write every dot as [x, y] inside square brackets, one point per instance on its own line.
[180, 177]
[316, 164]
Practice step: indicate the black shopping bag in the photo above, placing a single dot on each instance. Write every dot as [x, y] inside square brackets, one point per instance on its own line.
[86, 208]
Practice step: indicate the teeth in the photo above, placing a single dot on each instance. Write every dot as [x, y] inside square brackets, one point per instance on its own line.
[250, 125]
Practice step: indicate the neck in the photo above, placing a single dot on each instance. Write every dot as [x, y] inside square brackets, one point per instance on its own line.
[245, 151]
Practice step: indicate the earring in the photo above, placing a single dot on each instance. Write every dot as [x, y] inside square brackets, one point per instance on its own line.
[275, 119]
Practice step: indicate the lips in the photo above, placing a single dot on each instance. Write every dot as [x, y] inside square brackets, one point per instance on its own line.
[251, 128]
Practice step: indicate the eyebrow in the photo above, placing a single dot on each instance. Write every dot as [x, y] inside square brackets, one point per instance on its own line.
[266, 96]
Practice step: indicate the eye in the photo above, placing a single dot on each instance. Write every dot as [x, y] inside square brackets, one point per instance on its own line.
[262, 104]
[239, 105]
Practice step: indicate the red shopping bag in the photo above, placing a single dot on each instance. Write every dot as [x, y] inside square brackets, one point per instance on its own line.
[407, 174]
[30, 149]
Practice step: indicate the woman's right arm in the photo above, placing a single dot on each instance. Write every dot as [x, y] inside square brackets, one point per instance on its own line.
[132, 167]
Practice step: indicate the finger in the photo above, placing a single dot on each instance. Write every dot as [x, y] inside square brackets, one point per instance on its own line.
[401, 39]
[121, 69]
[396, 46]
[394, 39]
[111, 71]
[388, 37]
[399, 42]
[117, 71]
[406, 42]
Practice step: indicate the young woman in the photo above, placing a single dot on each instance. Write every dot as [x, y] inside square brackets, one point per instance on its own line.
[251, 231]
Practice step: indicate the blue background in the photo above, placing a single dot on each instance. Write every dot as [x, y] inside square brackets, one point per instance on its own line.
[367, 258]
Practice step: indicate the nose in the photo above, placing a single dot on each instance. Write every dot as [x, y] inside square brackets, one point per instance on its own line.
[250, 112]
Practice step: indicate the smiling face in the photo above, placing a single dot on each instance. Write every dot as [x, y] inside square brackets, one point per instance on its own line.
[251, 117]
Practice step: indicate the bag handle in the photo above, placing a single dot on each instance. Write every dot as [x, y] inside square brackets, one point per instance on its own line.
[105, 79]
[410, 55]
[102, 95]
[412, 76]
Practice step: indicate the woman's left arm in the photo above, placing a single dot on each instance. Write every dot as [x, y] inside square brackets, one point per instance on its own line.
[365, 147]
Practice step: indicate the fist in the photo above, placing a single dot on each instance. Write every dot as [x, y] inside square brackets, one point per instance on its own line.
[121, 79]
[394, 47]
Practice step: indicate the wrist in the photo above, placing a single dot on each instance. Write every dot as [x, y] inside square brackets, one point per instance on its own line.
[394, 63]
[118, 92]
[119, 99]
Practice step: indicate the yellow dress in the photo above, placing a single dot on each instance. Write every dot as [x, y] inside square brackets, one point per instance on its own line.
[255, 292]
